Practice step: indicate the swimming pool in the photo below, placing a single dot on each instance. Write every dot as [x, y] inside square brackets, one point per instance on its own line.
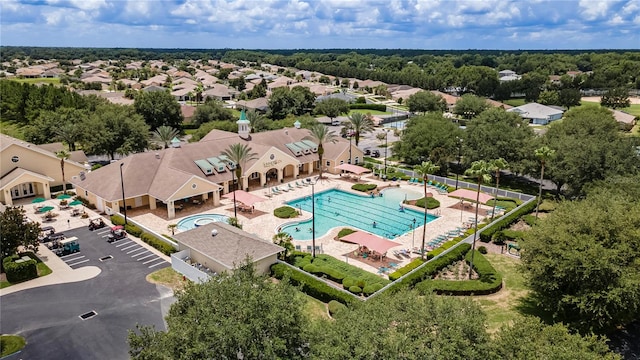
[335, 208]
[194, 221]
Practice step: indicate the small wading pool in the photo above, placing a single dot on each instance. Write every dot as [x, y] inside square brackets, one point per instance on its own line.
[336, 208]
[194, 221]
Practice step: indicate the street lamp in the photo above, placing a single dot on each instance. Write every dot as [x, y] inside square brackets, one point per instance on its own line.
[350, 136]
[124, 201]
[413, 233]
[313, 215]
[386, 146]
[233, 181]
[459, 156]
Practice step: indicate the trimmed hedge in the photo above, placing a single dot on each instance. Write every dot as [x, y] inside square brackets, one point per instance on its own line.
[355, 289]
[482, 250]
[117, 220]
[336, 307]
[378, 107]
[432, 267]
[133, 230]
[530, 219]
[17, 272]
[364, 187]
[431, 203]
[506, 221]
[311, 285]
[285, 212]
[405, 269]
[489, 282]
[345, 232]
[160, 245]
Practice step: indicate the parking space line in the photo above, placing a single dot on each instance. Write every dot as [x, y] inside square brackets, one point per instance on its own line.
[129, 247]
[160, 263]
[125, 243]
[138, 249]
[136, 255]
[150, 261]
[66, 256]
[74, 259]
[102, 231]
[79, 262]
[144, 257]
[115, 241]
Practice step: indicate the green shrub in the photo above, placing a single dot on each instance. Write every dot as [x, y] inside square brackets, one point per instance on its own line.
[405, 269]
[547, 206]
[506, 221]
[158, 244]
[348, 282]
[530, 219]
[370, 289]
[432, 267]
[432, 203]
[489, 280]
[336, 307]
[344, 232]
[17, 272]
[364, 187]
[285, 212]
[335, 270]
[377, 107]
[512, 234]
[482, 250]
[117, 220]
[310, 285]
[355, 289]
[133, 230]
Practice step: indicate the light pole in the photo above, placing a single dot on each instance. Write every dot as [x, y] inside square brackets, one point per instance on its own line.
[313, 216]
[386, 146]
[233, 181]
[459, 156]
[413, 233]
[350, 136]
[124, 201]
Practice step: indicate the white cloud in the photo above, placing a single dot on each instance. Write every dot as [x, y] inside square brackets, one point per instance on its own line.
[88, 4]
[592, 10]
[616, 20]
[137, 8]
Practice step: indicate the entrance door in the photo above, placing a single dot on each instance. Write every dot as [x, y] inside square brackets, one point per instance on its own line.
[22, 191]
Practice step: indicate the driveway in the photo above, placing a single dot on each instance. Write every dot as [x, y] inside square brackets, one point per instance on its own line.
[49, 317]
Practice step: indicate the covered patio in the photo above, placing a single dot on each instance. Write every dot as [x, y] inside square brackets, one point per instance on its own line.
[356, 170]
[470, 195]
[370, 245]
[247, 199]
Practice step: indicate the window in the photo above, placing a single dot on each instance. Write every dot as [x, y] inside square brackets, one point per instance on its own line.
[341, 162]
[328, 163]
[357, 160]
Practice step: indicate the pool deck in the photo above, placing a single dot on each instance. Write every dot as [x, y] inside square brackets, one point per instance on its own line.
[263, 224]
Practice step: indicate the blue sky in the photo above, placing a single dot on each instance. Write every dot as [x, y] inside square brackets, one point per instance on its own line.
[275, 24]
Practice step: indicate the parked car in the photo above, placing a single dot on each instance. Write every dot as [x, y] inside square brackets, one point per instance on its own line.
[367, 152]
[375, 153]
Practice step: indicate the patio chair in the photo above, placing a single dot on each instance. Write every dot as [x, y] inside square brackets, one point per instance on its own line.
[275, 191]
[291, 187]
[267, 194]
[283, 189]
[298, 185]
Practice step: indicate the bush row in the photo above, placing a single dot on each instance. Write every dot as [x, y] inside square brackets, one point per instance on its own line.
[285, 212]
[310, 285]
[17, 272]
[85, 202]
[364, 187]
[405, 269]
[150, 239]
[506, 221]
[432, 267]
[489, 282]
[336, 307]
[431, 203]
[378, 107]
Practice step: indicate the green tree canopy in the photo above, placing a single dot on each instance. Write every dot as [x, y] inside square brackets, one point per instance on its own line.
[320, 134]
[588, 147]
[425, 133]
[212, 110]
[16, 231]
[232, 316]
[158, 108]
[360, 124]
[424, 101]
[616, 98]
[496, 134]
[581, 260]
[332, 107]
[116, 129]
[469, 105]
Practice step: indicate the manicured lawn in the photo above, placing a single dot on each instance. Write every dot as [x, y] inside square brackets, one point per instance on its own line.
[11, 344]
[12, 129]
[314, 307]
[367, 111]
[634, 109]
[38, 80]
[167, 277]
[42, 268]
[502, 308]
[515, 102]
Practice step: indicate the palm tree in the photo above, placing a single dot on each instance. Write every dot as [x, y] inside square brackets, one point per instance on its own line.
[481, 170]
[199, 90]
[283, 239]
[256, 120]
[424, 169]
[63, 155]
[321, 134]
[238, 154]
[163, 135]
[360, 124]
[543, 154]
[497, 165]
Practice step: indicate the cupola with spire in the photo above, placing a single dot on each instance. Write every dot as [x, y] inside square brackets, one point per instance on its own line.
[244, 126]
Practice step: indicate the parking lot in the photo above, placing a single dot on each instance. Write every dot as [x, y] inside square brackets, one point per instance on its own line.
[89, 319]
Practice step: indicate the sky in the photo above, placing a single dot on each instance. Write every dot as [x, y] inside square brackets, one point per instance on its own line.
[323, 24]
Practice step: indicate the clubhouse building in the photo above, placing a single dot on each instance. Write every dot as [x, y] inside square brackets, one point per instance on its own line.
[199, 173]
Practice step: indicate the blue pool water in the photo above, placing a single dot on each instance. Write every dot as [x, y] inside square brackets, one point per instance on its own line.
[335, 208]
[192, 222]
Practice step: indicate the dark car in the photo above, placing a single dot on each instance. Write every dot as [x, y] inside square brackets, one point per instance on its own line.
[375, 153]
[367, 152]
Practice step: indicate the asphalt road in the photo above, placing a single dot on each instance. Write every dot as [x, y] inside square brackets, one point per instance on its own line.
[49, 317]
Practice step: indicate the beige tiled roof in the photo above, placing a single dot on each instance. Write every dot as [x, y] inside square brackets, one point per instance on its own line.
[230, 246]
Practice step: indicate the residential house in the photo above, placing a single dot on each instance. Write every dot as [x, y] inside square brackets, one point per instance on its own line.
[538, 114]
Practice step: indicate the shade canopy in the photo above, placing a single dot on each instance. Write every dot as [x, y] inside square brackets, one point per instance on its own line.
[46, 208]
[353, 168]
[372, 242]
[64, 196]
[75, 202]
[244, 197]
[37, 200]
[470, 195]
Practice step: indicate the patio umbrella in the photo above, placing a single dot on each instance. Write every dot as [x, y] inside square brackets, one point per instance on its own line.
[37, 200]
[46, 208]
[75, 202]
[64, 197]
